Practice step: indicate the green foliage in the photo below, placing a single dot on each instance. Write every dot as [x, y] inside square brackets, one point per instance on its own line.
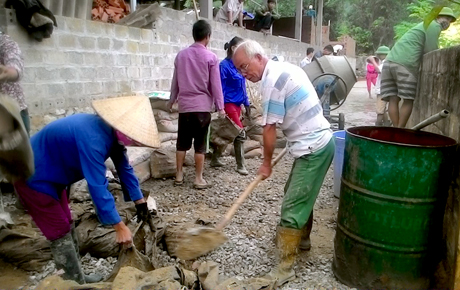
[369, 22]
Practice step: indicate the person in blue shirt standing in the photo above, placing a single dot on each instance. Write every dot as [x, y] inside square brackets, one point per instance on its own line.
[76, 147]
[234, 90]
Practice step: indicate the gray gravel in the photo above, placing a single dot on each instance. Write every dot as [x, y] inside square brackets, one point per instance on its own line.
[250, 249]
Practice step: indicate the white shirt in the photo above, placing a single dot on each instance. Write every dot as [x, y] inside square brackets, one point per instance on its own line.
[305, 61]
[230, 5]
[379, 79]
[290, 100]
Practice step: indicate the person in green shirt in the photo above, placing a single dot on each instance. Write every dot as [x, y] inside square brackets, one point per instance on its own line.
[400, 71]
[265, 17]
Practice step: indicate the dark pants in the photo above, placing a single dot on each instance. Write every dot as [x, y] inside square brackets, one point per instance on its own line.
[193, 127]
[264, 23]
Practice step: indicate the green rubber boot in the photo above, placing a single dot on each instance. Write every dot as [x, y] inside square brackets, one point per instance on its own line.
[66, 258]
[287, 243]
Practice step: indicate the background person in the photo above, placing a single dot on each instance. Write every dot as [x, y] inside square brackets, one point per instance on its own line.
[11, 71]
[196, 87]
[235, 96]
[372, 72]
[400, 71]
[381, 106]
[308, 58]
[230, 12]
[327, 50]
[265, 17]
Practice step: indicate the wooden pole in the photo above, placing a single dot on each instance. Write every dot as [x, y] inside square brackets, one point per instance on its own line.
[196, 10]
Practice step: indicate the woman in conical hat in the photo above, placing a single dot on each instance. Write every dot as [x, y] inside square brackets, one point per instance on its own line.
[76, 147]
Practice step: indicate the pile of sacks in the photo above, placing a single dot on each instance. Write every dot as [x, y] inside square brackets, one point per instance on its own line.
[204, 276]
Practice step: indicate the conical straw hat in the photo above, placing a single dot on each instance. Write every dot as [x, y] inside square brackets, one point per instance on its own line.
[132, 116]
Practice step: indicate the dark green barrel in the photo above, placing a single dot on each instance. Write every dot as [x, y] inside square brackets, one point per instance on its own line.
[392, 199]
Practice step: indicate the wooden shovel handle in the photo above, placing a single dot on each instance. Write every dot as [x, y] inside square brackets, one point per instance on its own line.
[231, 212]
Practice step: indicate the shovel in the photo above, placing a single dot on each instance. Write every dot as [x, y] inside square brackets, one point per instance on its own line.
[202, 240]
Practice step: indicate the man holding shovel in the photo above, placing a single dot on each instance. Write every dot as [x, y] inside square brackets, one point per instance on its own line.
[76, 147]
[290, 101]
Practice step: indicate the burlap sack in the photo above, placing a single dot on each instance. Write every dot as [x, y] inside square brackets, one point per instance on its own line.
[223, 131]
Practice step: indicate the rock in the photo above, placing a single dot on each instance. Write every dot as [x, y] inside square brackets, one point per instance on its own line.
[48, 119]
[60, 112]
[56, 283]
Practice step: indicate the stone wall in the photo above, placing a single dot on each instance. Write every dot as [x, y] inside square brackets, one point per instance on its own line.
[439, 89]
[85, 60]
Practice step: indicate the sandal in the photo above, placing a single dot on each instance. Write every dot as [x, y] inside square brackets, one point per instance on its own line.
[178, 183]
[201, 186]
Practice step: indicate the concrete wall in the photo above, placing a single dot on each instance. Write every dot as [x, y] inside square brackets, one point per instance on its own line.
[439, 89]
[85, 60]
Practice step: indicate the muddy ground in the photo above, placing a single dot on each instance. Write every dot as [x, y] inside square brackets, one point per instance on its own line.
[250, 250]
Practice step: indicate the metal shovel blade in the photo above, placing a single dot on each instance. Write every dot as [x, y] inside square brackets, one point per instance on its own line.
[199, 241]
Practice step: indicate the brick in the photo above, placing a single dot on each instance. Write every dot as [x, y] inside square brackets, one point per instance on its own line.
[110, 87]
[92, 58]
[19, 34]
[75, 25]
[125, 87]
[103, 43]
[45, 74]
[68, 74]
[134, 33]
[107, 60]
[147, 35]
[167, 49]
[74, 89]
[32, 56]
[123, 59]
[56, 90]
[40, 91]
[28, 76]
[104, 73]
[146, 73]
[136, 59]
[163, 37]
[93, 88]
[35, 107]
[88, 43]
[132, 46]
[118, 45]
[133, 72]
[93, 27]
[107, 29]
[144, 47]
[49, 42]
[119, 73]
[155, 48]
[67, 40]
[165, 84]
[87, 73]
[121, 31]
[74, 58]
[150, 85]
[137, 85]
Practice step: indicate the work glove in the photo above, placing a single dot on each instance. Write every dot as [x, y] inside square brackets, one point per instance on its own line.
[248, 112]
[144, 215]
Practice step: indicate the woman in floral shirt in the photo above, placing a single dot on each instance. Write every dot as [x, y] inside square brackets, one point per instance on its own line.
[11, 70]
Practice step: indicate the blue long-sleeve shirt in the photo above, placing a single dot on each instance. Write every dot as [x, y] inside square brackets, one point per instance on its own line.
[233, 84]
[76, 147]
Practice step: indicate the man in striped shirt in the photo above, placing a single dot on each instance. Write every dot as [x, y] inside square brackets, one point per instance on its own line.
[290, 101]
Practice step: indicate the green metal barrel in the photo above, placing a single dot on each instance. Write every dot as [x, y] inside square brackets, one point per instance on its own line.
[392, 199]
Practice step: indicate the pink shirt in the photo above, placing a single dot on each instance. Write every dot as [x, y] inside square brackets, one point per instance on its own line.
[196, 82]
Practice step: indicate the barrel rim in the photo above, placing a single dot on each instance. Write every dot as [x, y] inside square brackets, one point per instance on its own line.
[455, 143]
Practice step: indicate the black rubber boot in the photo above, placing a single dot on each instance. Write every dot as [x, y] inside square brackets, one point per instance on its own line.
[216, 154]
[94, 278]
[305, 242]
[66, 258]
[238, 145]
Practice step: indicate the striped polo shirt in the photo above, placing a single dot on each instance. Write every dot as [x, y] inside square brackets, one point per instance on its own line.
[290, 100]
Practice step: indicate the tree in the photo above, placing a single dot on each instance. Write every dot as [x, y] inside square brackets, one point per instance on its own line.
[369, 22]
